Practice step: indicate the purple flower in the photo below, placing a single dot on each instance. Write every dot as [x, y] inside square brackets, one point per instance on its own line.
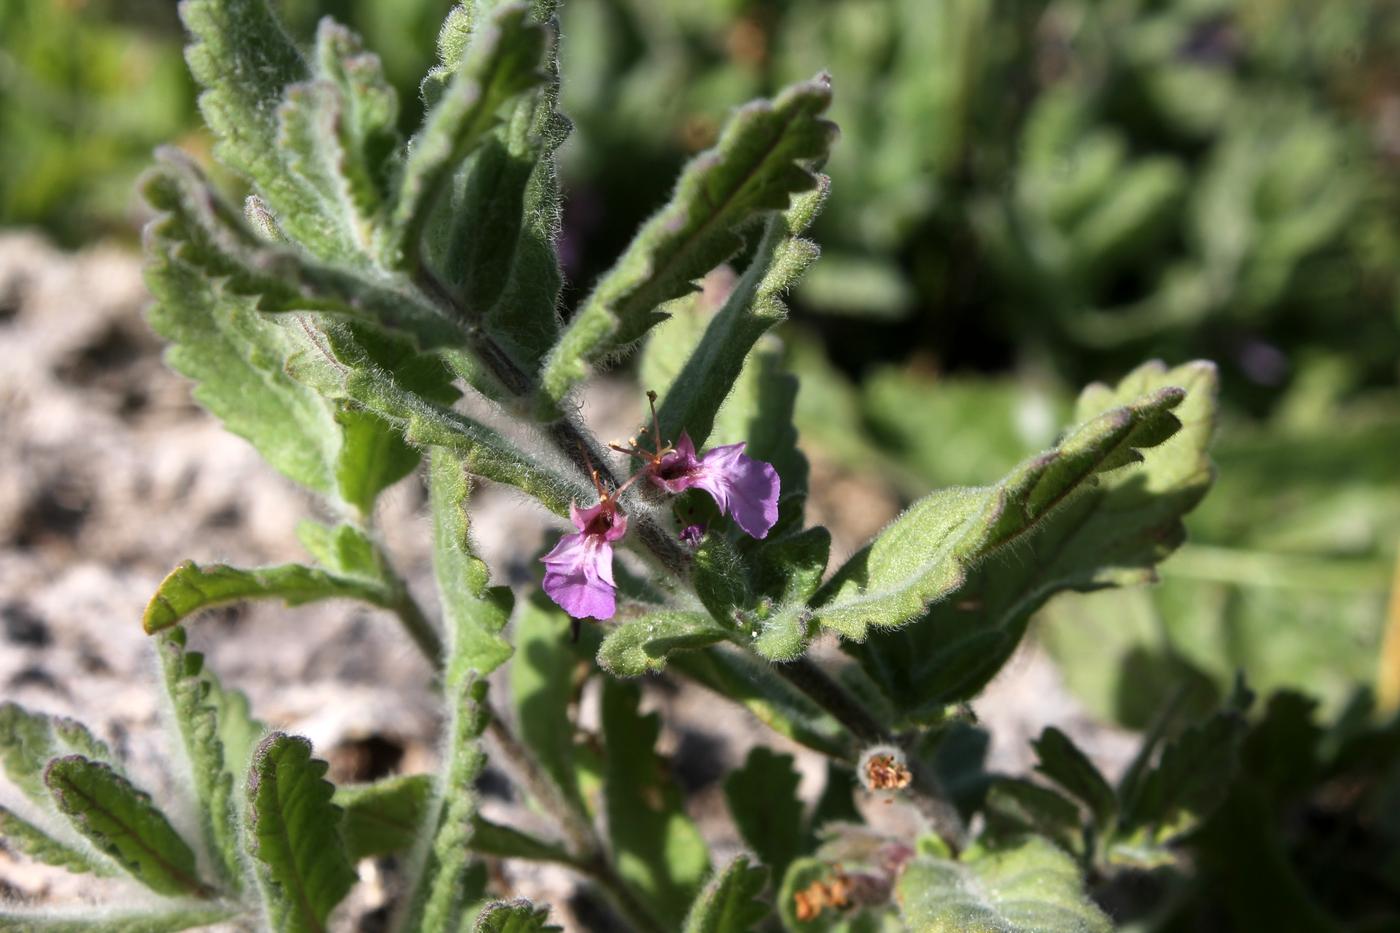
[692, 534]
[741, 486]
[578, 572]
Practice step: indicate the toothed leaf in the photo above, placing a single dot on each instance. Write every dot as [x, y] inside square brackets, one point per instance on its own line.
[658, 850]
[439, 878]
[729, 903]
[759, 163]
[474, 612]
[644, 644]
[122, 822]
[294, 834]
[763, 800]
[502, 60]
[196, 697]
[190, 588]
[1070, 524]
[384, 817]
[20, 835]
[517, 916]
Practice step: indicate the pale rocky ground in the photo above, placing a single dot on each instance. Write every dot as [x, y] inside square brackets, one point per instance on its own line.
[109, 476]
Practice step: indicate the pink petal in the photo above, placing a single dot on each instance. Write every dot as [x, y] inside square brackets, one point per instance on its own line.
[578, 576]
[742, 487]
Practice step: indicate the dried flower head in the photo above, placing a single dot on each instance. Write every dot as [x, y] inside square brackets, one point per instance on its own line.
[833, 892]
[883, 768]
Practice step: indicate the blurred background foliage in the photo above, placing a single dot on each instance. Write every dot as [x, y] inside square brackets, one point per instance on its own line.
[1029, 195]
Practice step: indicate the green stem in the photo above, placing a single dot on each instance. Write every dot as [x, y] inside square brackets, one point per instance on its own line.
[930, 797]
[419, 629]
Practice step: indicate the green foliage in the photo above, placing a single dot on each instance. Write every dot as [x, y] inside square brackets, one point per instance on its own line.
[24, 837]
[658, 849]
[644, 644]
[762, 797]
[501, 61]
[926, 554]
[121, 821]
[542, 687]
[294, 834]
[440, 886]
[756, 166]
[1033, 886]
[392, 288]
[1089, 532]
[190, 588]
[518, 916]
[83, 101]
[474, 612]
[696, 360]
[383, 817]
[197, 699]
[729, 903]
[29, 740]
[1062, 762]
[339, 367]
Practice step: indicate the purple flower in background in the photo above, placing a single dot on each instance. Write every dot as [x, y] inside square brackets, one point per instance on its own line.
[741, 486]
[578, 572]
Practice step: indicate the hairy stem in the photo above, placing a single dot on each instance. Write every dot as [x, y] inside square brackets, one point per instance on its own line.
[579, 832]
[588, 856]
[847, 709]
[574, 441]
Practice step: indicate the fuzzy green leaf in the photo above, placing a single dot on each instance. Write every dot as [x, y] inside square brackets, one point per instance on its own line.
[122, 822]
[28, 740]
[1014, 808]
[511, 277]
[1034, 888]
[189, 588]
[294, 834]
[383, 817]
[438, 879]
[1072, 525]
[210, 285]
[729, 903]
[196, 228]
[759, 162]
[196, 697]
[1189, 780]
[20, 835]
[763, 800]
[1062, 762]
[713, 361]
[721, 578]
[741, 677]
[502, 60]
[340, 368]
[644, 644]
[87, 920]
[925, 554]
[518, 916]
[658, 850]
[541, 680]
[243, 59]
[474, 612]
[336, 132]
